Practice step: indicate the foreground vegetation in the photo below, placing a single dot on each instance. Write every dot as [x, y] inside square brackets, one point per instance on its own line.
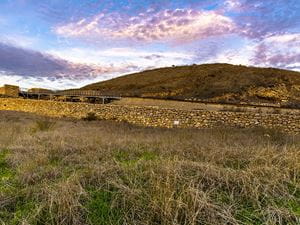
[101, 172]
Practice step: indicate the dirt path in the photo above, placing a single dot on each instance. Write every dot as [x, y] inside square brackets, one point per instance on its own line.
[201, 106]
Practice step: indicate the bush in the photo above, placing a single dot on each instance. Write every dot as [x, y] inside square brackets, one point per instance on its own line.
[90, 117]
[43, 125]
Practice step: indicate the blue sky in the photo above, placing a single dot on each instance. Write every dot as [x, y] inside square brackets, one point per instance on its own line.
[65, 44]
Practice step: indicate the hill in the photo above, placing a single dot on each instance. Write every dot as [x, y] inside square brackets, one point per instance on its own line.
[221, 83]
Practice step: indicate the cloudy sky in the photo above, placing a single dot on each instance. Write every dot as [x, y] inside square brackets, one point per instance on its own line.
[69, 43]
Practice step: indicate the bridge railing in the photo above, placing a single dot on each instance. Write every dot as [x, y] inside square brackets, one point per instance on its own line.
[82, 93]
[79, 93]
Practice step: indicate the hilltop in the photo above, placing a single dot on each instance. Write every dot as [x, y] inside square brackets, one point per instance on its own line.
[220, 83]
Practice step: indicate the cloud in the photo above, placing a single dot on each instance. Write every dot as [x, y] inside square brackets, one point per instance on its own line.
[124, 57]
[44, 82]
[281, 51]
[232, 4]
[76, 67]
[28, 63]
[180, 25]
[232, 56]
[153, 57]
[254, 19]
[18, 40]
[257, 19]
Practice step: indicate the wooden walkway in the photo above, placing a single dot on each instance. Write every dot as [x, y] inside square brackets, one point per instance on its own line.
[70, 95]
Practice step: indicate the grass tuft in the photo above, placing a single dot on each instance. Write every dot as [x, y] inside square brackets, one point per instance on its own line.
[43, 125]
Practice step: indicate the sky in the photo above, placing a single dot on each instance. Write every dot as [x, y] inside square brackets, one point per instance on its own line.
[62, 44]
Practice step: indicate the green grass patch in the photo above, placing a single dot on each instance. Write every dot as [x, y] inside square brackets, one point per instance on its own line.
[101, 210]
[130, 158]
[252, 214]
[249, 216]
[6, 174]
[23, 212]
[292, 205]
[18, 210]
[248, 212]
[222, 197]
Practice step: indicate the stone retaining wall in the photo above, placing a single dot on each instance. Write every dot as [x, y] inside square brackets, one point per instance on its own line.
[155, 117]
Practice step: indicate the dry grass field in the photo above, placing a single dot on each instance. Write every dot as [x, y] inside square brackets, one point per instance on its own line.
[102, 172]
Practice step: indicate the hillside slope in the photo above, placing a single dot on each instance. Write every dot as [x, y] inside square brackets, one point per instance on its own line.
[208, 82]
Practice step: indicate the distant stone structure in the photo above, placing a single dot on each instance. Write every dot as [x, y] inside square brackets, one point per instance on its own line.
[10, 91]
[39, 90]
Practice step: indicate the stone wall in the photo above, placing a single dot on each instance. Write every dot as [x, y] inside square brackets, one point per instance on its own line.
[10, 90]
[2, 91]
[156, 117]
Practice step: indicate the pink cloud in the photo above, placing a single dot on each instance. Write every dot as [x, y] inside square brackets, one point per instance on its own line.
[278, 51]
[257, 19]
[180, 25]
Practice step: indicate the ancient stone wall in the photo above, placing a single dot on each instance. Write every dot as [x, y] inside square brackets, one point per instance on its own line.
[2, 91]
[10, 90]
[156, 117]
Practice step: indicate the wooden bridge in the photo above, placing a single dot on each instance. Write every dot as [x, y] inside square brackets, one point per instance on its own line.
[90, 96]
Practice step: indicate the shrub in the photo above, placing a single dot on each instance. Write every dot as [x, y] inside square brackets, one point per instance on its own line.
[90, 116]
[43, 125]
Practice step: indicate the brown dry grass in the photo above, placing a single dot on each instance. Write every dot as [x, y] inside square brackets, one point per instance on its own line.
[102, 172]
